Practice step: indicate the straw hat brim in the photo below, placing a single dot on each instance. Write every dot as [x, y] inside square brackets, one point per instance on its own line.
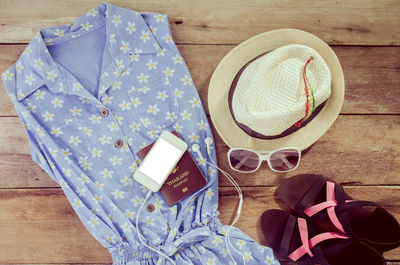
[230, 65]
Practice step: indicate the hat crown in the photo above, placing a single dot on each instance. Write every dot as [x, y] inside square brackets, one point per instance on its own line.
[270, 94]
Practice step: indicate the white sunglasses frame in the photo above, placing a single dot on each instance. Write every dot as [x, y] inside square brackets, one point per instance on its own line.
[263, 158]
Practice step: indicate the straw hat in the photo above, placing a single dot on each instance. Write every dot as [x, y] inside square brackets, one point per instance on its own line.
[282, 88]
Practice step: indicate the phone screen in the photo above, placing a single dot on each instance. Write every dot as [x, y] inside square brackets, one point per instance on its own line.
[160, 160]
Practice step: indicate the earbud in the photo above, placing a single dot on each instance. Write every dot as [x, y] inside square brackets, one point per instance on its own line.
[196, 148]
[209, 142]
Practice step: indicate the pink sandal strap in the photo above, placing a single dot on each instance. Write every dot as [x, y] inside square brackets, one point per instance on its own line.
[307, 245]
[329, 204]
[304, 236]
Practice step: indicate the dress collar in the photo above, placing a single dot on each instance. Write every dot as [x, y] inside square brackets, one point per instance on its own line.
[127, 34]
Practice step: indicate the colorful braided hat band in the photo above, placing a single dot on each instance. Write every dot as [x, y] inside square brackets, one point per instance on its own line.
[310, 100]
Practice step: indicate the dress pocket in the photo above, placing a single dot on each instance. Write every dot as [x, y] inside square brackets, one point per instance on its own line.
[71, 134]
[154, 102]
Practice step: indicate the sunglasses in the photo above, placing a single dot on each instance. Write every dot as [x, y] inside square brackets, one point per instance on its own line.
[248, 161]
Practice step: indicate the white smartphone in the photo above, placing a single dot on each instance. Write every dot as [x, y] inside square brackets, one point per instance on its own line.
[160, 161]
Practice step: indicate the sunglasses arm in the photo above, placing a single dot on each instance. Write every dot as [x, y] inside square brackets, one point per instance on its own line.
[242, 161]
[287, 163]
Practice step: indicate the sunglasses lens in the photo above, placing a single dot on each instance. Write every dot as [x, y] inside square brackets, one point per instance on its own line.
[244, 160]
[285, 160]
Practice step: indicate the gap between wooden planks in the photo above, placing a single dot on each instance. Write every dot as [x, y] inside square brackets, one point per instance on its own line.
[366, 71]
[337, 22]
[40, 226]
[350, 22]
[372, 75]
[358, 150]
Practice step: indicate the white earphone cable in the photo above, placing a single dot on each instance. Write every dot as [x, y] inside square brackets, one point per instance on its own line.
[140, 236]
[208, 142]
[238, 211]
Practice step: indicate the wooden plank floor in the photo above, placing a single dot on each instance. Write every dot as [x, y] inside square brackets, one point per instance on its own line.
[361, 151]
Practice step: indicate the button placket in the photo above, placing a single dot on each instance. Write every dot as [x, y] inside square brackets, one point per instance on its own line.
[108, 80]
[150, 207]
[119, 143]
[104, 112]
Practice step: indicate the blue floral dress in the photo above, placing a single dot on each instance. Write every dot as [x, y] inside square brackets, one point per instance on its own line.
[91, 94]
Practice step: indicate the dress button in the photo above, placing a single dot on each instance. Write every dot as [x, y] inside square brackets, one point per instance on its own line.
[119, 143]
[150, 208]
[104, 112]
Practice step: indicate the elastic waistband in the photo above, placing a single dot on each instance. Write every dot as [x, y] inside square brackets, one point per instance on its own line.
[126, 252]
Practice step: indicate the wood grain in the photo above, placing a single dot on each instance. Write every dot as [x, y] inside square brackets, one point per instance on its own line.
[349, 22]
[39, 225]
[361, 150]
[372, 75]
[356, 150]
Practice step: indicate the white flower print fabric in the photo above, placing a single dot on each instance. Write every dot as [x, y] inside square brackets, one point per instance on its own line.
[92, 94]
